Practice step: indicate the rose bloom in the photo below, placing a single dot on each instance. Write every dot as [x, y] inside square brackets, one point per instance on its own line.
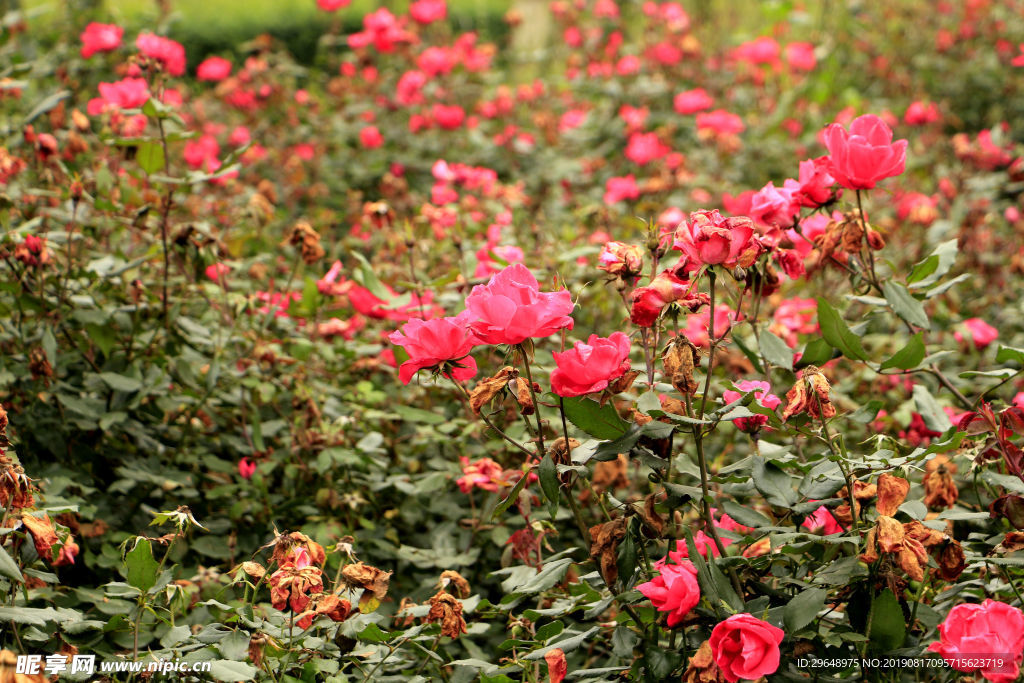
[814, 183]
[822, 520]
[692, 101]
[761, 395]
[483, 473]
[428, 11]
[213, 69]
[166, 51]
[711, 239]
[865, 154]
[744, 647]
[619, 258]
[701, 541]
[643, 148]
[775, 206]
[100, 38]
[129, 93]
[982, 334]
[698, 328]
[442, 344]
[590, 367]
[332, 5]
[973, 631]
[674, 590]
[510, 308]
[720, 121]
[246, 468]
[619, 188]
[800, 56]
[370, 137]
[648, 302]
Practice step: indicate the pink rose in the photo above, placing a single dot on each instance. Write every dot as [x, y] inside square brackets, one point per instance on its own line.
[709, 238]
[510, 308]
[648, 302]
[332, 5]
[814, 183]
[744, 647]
[100, 38]
[128, 93]
[674, 590]
[246, 468]
[428, 11]
[619, 188]
[213, 69]
[973, 631]
[761, 395]
[692, 101]
[619, 258]
[590, 367]
[442, 345]
[822, 520]
[720, 122]
[982, 334]
[370, 137]
[865, 154]
[643, 148]
[775, 206]
[800, 56]
[168, 52]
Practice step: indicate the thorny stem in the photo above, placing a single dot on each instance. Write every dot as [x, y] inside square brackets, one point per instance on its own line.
[840, 460]
[490, 424]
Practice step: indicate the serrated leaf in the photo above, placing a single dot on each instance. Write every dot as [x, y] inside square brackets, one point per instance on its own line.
[836, 332]
[142, 568]
[802, 609]
[9, 568]
[905, 305]
[888, 629]
[910, 356]
[924, 275]
[601, 422]
[1009, 353]
[774, 484]
[775, 351]
[745, 515]
[150, 155]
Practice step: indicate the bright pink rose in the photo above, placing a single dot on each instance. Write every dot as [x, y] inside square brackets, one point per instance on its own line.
[674, 590]
[643, 148]
[100, 38]
[448, 117]
[973, 631]
[217, 271]
[744, 647]
[213, 69]
[510, 308]
[709, 238]
[370, 137]
[428, 11]
[763, 50]
[920, 114]
[720, 122]
[166, 51]
[483, 474]
[332, 5]
[982, 334]
[246, 468]
[761, 395]
[692, 101]
[698, 326]
[822, 520]
[129, 93]
[590, 367]
[815, 183]
[859, 158]
[775, 206]
[701, 541]
[800, 56]
[442, 344]
[619, 188]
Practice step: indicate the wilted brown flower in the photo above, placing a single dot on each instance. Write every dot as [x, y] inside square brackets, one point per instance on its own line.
[44, 536]
[15, 486]
[940, 491]
[604, 545]
[303, 235]
[452, 577]
[557, 666]
[892, 491]
[679, 360]
[295, 581]
[8, 670]
[524, 397]
[373, 580]
[284, 543]
[404, 620]
[487, 388]
[39, 365]
[810, 394]
[337, 609]
[448, 610]
[702, 668]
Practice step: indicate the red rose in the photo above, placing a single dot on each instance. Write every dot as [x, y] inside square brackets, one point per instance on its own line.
[213, 69]
[590, 367]
[973, 631]
[707, 237]
[744, 647]
[100, 38]
[859, 158]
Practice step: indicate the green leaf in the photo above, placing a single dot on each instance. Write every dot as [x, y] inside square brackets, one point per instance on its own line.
[150, 155]
[9, 568]
[802, 609]
[724, 586]
[222, 670]
[548, 474]
[373, 634]
[745, 515]
[142, 568]
[905, 305]
[837, 333]
[888, 629]
[910, 356]
[120, 382]
[1009, 353]
[925, 274]
[774, 484]
[934, 417]
[513, 495]
[817, 352]
[775, 350]
[601, 422]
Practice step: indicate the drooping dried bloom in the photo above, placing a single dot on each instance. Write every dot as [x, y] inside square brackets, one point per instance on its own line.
[294, 582]
[446, 609]
[604, 545]
[940, 491]
[450, 577]
[285, 544]
[892, 491]
[557, 666]
[303, 235]
[680, 359]
[810, 394]
[702, 667]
